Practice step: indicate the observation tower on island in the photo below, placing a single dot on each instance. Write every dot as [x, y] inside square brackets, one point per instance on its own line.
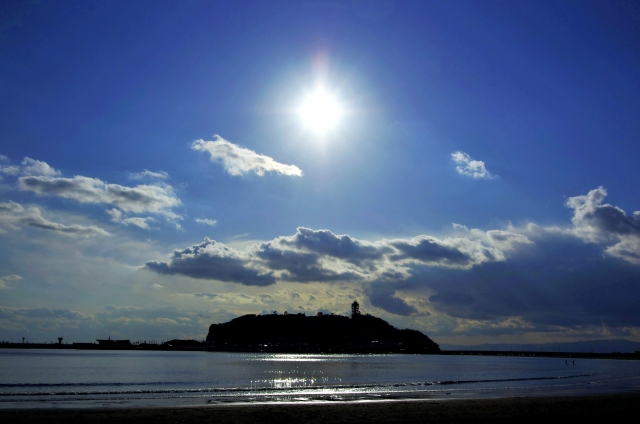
[355, 308]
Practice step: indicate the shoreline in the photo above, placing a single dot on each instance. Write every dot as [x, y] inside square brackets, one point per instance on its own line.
[506, 409]
[630, 356]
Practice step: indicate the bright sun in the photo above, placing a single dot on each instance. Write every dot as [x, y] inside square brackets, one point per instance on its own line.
[320, 111]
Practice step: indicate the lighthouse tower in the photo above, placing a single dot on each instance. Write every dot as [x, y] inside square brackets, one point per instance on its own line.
[355, 308]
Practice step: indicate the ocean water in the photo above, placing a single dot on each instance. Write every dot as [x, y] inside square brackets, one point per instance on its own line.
[88, 379]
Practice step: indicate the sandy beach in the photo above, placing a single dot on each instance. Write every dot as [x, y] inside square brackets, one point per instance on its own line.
[521, 410]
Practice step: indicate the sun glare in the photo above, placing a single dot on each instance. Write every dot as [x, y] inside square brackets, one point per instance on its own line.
[320, 111]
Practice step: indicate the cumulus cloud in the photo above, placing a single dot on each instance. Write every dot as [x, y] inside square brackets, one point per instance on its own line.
[211, 260]
[38, 168]
[302, 266]
[452, 252]
[568, 278]
[628, 249]
[8, 279]
[238, 160]
[9, 170]
[161, 175]
[505, 241]
[138, 199]
[321, 256]
[561, 282]
[211, 222]
[382, 296]
[338, 246]
[606, 224]
[14, 216]
[581, 276]
[470, 167]
[29, 167]
[117, 216]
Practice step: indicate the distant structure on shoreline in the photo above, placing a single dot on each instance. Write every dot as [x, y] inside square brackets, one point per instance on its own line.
[113, 343]
[109, 344]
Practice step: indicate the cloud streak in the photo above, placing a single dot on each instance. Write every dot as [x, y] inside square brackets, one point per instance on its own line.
[138, 199]
[117, 216]
[210, 222]
[14, 216]
[161, 175]
[8, 279]
[240, 161]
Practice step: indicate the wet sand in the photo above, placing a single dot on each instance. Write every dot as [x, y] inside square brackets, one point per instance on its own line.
[504, 410]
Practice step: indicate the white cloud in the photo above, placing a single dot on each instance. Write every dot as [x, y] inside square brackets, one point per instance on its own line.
[603, 223]
[321, 256]
[138, 199]
[29, 167]
[211, 260]
[469, 167]
[14, 216]
[505, 241]
[452, 252]
[211, 222]
[40, 178]
[7, 279]
[3, 158]
[117, 216]
[35, 167]
[238, 160]
[161, 175]
[593, 222]
[9, 170]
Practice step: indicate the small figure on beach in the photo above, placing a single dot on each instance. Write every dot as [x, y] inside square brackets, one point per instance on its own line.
[573, 362]
[565, 362]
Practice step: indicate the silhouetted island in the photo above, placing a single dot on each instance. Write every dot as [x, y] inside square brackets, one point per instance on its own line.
[322, 333]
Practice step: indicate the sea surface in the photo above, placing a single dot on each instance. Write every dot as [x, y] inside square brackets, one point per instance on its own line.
[90, 379]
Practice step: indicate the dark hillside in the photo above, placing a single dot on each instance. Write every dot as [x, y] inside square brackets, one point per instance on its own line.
[321, 333]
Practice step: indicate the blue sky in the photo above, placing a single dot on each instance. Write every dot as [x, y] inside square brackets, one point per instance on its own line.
[480, 183]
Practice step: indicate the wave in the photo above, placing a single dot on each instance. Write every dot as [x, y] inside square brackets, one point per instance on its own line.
[156, 383]
[10, 396]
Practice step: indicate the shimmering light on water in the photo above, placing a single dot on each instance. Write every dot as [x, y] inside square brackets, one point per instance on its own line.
[295, 357]
[67, 378]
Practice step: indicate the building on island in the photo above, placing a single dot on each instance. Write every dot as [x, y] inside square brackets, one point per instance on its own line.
[355, 308]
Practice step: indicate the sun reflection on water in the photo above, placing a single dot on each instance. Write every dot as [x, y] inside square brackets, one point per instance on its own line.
[294, 357]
